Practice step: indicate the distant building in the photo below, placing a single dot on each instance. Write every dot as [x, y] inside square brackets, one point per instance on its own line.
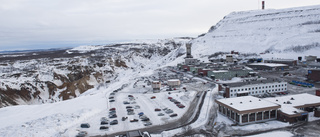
[173, 83]
[295, 108]
[310, 58]
[156, 85]
[314, 75]
[228, 74]
[268, 66]
[238, 89]
[289, 62]
[249, 109]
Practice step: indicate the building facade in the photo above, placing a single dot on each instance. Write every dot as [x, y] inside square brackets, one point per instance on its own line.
[232, 90]
[314, 75]
[226, 75]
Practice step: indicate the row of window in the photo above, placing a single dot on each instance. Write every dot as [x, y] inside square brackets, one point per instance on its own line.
[263, 91]
[253, 88]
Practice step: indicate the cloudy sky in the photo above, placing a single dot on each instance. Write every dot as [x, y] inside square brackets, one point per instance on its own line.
[42, 24]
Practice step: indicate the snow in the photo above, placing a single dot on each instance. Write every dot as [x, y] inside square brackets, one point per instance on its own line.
[274, 134]
[246, 103]
[269, 64]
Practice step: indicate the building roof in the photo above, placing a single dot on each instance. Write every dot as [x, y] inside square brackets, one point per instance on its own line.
[173, 80]
[240, 84]
[295, 101]
[268, 64]
[247, 103]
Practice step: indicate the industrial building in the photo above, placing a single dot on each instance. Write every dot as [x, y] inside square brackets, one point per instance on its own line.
[289, 62]
[173, 83]
[228, 74]
[156, 85]
[314, 75]
[254, 88]
[249, 109]
[295, 108]
[268, 66]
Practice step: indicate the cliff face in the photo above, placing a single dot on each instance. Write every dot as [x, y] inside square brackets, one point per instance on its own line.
[294, 30]
[51, 76]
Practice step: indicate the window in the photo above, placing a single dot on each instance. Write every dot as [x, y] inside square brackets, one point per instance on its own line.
[272, 86]
[249, 88]
[256, 87]
[241, 89]
[238, 89]
[276, 85]
[285, 88]
[231, 90]
[276, 89]
[246, 88]
[262, 87]
[256, 92]
[259, 87]
[269, 86]
[282, 84]
[285, 84]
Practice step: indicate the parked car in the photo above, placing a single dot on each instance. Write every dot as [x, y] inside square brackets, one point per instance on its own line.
[173, 100]
[133, 102]
[173, 115]
[112, 109]
[169, 97]
[113, 116]
[157, 109]
[130, 96]
[168, 111]
[180, 106]
[85, 125]
[114, 122]
[136, 106]
[145, 119]
[82, 134]
[111, 97]
[112, 93]
[130, 113]
[112, 112]
[103, 119]
[104, 128]
[147, 123]
[112, 100]
[124, 118]
[140, 114]
[126, 102]
[160, 114]
[177, 102]
[153, 97]
[104, 123]
[134, 120]
[128, 107]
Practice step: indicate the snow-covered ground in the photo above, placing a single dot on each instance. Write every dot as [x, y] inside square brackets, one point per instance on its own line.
[275, 134]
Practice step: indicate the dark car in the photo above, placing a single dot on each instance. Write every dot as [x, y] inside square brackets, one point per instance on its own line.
[114, 122]
[157, 109]
[104, 127]
[112, 100]
[124, 118]
[129, 110]
[113, 116]
[173, 115]
[177, 102]
[145, 119]
[104, 123]
[85, 125]
[134, 120]
[128, 107]
[111, 97]
[112, 109]
[130, 96]
[153, 97]
[141, 113]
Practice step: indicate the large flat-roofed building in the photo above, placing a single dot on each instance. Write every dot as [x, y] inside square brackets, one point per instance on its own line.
[248, 109]
[227, 74]
[268, 66]
[295, 107]
[314, 75]
[259, 87]
[289, 62]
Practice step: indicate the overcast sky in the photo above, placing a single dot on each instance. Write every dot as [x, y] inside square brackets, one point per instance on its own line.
[42, 24]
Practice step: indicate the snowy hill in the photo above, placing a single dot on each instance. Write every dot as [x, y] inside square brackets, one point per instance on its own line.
[285, 32]
[51, 76]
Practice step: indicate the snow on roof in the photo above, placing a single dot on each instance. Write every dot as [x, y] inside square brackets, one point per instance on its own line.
[219, 71]
[295, 101]
[240, 84]
[268, 64]
[247, 103]
[173, 80]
